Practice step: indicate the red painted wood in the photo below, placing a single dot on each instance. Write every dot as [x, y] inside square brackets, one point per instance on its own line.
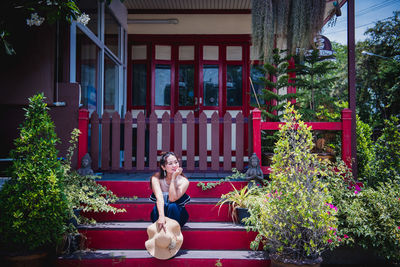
[153, 142]
[329, 126]
[257, 132]
[227, 141]
[105, 141]
[141, 212]
[178, 135]
[153, 262]
[142, 188]
[165, 132]
[140, 141]
[115, 143]
[239, 141]
[190, 142]
[346, 136]
[203, 141]
[128, 141]
[215, 141]
[193, 239]
[83, 125]
[94, 147]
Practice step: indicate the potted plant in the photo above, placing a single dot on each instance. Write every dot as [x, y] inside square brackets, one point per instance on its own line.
[295, 215]
[33, 205]
[238, 201]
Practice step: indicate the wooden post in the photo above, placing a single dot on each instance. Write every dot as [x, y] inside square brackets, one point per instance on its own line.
[94, 139]
[257, 132]
[346, 136]
[116, 141]
[83, 125]
[128, 142]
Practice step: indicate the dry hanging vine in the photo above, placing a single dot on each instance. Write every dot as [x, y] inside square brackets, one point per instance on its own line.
[294, 22]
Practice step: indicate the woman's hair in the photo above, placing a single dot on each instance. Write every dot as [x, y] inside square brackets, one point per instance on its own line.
[163, 161]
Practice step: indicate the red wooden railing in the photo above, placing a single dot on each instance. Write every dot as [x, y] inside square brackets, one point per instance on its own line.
[106, 146]
[344, 126]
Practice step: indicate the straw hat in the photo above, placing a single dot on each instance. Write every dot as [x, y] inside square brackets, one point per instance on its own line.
[162, 244]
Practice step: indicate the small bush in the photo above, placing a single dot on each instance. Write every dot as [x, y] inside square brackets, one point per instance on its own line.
[33, 207]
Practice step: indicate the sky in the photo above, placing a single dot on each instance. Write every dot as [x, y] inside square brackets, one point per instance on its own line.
[367, 12]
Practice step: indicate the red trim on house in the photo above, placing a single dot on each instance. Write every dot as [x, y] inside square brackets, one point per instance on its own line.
[189, 11]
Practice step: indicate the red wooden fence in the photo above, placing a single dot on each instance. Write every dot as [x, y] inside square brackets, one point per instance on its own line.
[344, 126]
[111, 152]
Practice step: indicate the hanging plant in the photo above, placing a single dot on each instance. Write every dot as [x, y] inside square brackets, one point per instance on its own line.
[285, 24]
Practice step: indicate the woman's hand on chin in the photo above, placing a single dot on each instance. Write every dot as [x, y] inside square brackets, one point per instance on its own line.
[177, 172]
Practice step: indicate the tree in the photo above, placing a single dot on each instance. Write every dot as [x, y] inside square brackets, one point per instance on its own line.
[378, 79]
[314, 84]
[18, 16]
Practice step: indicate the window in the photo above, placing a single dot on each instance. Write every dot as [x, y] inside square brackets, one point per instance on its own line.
[87, 70]
[186, 85]
[162, 85]
[234, 85]
[112, 33]
[98, 59]
[139, 84]
[256, 75]
[210, 85]
[111, 85]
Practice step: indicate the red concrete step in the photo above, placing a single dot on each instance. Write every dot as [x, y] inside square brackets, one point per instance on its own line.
[142, 189]
[197, 236]
[199, 209]
[184, 258]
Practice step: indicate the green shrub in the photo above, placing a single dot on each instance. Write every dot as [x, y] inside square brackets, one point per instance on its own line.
[387, 153]
[365, 149]
[33, 207]
[296, 214]
[83, 192]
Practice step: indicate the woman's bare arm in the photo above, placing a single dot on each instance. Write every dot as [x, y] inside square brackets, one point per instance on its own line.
[155, 185]
[176, 190]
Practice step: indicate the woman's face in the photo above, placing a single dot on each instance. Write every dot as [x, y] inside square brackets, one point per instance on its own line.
[171, 164]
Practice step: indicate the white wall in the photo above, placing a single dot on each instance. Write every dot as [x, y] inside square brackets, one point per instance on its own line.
[193, 24]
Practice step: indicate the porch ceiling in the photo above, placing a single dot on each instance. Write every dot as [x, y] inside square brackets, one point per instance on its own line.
[188, 4]
[202, 7]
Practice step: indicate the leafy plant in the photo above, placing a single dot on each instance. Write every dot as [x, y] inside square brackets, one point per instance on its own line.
[236, 175]
[83, 192]
[237, 199]
[33, 206]
[365, 149]
[296, 214]
[275, 81]
[313, 84]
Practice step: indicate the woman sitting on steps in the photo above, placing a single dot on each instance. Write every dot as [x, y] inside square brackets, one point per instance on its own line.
[169, 187]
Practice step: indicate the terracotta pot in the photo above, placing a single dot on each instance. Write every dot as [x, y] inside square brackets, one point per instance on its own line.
[33, 260]
[275, 263]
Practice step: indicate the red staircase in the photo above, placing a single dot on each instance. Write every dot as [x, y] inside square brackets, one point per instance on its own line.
[210, 237]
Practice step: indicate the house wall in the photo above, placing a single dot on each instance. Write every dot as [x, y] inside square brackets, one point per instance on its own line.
[30, 71]
[193, 24]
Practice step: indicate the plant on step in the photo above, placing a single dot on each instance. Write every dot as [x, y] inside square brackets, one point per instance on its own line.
[83, 192]
[295, 214]
[241, 198]
[33, 207]
[236, 175]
